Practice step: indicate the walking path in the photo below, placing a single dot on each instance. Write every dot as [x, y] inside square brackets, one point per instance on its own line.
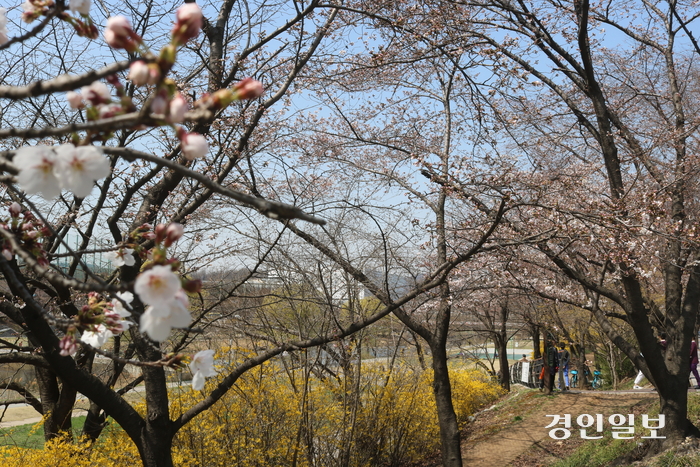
[501, 449]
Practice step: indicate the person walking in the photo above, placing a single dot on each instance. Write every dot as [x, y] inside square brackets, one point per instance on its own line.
[564, 358]
[694, 362]
[551, 366]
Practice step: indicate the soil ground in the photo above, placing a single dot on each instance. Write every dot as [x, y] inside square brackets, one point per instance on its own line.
[519, 438]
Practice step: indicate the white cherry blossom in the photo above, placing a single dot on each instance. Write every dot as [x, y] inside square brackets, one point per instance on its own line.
[81, 6]
[36, 171]
[157, 285]
[78, 168]
[97, 338]
[117, 305]
[158, 320]
[194, 146]
[74, 99]
[121, 257]
[202, 366]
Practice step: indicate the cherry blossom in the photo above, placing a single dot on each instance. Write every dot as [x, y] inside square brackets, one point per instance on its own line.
[97, 93]
[159, 105]
[118, 306]
[173, 233]
[30, 12]
[141, 73]
[3, 26]
[194, 145]
[68, 345]
[202, 366]
[178, 109]
[121, 257]
[74, 99]
[81, 6]
[248, 88]
[188, 23]
[77, 168]
[120, 35]
[114, 322]
[110, 110]
[157, 285]
[98, 337]
[160, 318]
[36, 171]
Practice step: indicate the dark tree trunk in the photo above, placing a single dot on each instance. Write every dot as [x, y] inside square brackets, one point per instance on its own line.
[447, 419]
[535, 333]
[57, 404]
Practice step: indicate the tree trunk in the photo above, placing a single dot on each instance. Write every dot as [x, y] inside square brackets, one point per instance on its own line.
[673, 401]
[447, 419]
[57, 405]
[501, 342]
[535, 333]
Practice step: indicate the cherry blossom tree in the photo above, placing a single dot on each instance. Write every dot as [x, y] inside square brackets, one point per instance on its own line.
[143, 150]
[599, 108]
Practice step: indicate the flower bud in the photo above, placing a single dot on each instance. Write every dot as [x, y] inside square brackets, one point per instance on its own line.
[97, 93]
[248, 88]
[74, 99]
[119, 34]
[15, 209]
[110, 110]
[178, 109]
[188, 23]
[140, 73]
[192, 286]
[194, 145]
[160, 232]
[173, 233]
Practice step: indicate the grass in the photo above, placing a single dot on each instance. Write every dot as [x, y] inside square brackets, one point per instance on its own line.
[32, 435]
[598, 453]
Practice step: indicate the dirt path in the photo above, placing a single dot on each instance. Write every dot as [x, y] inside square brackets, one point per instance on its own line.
[502, 448]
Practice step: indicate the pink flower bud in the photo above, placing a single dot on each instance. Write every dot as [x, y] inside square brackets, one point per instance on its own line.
[159, 104]
[173, 233]
[119, 34]
[74, 99]
[139, 73]
[110, 110]
[188, 23]
[15, 209]
[97, 93]
[248, 89]
[194, 145]
[7, 254]
[178, 109]
[68, 345]
[160, 232]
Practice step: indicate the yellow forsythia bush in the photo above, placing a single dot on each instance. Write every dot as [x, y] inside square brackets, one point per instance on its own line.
[277, 418]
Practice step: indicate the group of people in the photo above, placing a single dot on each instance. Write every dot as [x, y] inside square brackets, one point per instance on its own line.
[557, 361]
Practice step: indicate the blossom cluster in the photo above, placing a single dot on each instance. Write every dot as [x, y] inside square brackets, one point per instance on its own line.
[114, 321]
[29, 232]
[99, 320]
[48, 170]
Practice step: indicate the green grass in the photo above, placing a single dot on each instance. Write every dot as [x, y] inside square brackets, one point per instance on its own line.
[32, 435]
[598, 453]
